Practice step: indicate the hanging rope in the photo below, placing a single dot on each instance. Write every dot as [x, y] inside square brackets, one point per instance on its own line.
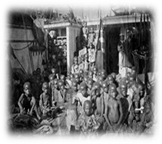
[18, 49]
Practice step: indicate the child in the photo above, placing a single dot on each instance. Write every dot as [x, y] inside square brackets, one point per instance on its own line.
[90, 74]
[27, 102]
[82, 96]
[105, 94]
[55, 92]
[75, 66]
[86, 122]
[71, 107]
[53, 70]
[97, 103]
[60, 99]
[90, 84]
[44, 101]
[113, 110]
[95, 74]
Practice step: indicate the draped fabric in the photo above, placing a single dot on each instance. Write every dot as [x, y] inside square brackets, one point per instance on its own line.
[38, 34]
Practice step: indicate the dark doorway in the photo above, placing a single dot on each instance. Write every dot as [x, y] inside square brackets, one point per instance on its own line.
[111, 52]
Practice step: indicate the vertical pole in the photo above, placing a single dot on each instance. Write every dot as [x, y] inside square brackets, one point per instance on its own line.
[68, 48]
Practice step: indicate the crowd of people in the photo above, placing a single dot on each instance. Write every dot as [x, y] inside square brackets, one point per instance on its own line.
[85, 102]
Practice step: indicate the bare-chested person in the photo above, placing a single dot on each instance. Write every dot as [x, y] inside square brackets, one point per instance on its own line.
[105, 94]
[113, 110]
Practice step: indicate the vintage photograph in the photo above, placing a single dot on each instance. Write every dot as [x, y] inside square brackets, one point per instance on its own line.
[81, 71]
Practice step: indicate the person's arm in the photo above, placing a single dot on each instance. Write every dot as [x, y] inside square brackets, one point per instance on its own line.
[102, 105]
[19, 103]
[40, 102]
[105, 115]
[33, 103]
[121, 114]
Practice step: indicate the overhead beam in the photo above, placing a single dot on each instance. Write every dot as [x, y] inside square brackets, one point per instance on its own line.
[117, 20]
[19, 26]
[21, 41]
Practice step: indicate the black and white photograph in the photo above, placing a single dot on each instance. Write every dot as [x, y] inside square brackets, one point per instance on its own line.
[81, 71]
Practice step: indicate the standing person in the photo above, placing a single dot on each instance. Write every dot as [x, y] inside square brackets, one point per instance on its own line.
[27, 102]
[82, 96]
[71, 107]
[113, 110]
[55, 92]
[44, 102]
[60, 99]
[87, 122]
[124, 64]
[75, 66]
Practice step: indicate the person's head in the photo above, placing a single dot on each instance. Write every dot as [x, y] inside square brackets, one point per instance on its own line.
[62, 77]
[76, 76]
[83, 89]
[53, 70]
[103, 74]
[61, 85]
[74, 85]
[45, 87]
[110, 79]
[27, 88]
[133, 71]
[95, 71]
[87, 107]
[34, 73]
[128, 74]
[123, 88]
[50, 77]
[105, 86]
[38, 71]
[113, 90]
[96, 89]
[100, 79]
[90, 74]
[71, 76]
[55, 82]
[90, 83]
[140, 90]
[85, 79]
[81, 72]
[75, 60]
[113, 75]
[45, 73]
[130, 83]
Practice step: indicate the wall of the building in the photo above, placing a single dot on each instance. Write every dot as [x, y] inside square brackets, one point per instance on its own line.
[29, 61]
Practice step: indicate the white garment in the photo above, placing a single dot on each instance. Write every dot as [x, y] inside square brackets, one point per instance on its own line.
[123, 71]
[71, 118]
[81, 98]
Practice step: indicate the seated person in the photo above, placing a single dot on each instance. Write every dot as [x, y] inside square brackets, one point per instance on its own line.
[44, 102]
[27, 102]
[87, 123]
